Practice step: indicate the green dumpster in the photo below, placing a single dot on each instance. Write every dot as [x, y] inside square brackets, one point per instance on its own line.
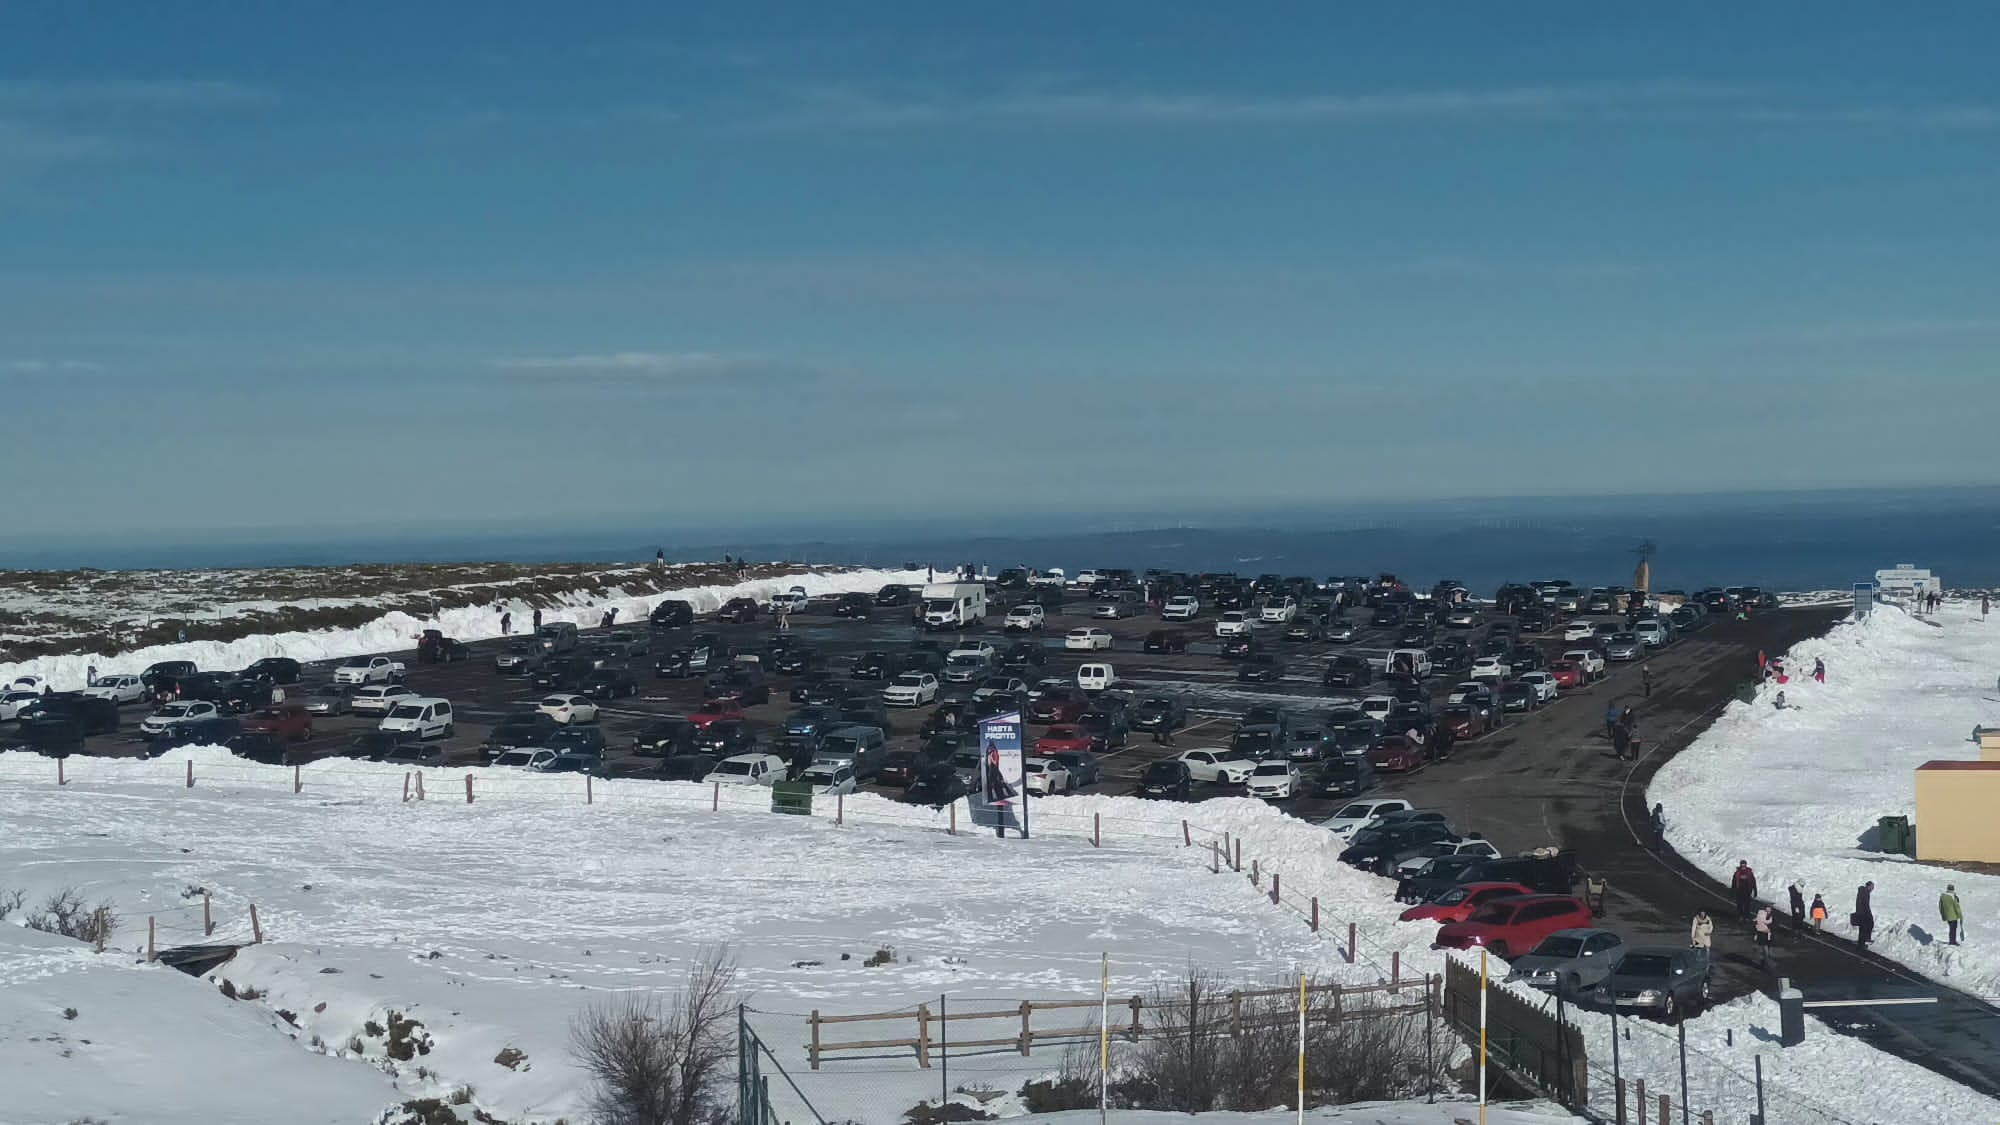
[1893, 834]
[1747, 693]
[794, 797]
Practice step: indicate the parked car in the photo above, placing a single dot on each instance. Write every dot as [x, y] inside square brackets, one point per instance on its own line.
[1089, 639]
[433, 647]
[379, 699]
[610, 683]
[937, 787]
[290, 721]
[1348, 672]
[749, 769]
[1395, 753]
[1168, 780]
[1162, 711]
[176, 714]
[1457, 903]
[1084, 769]
[1217, 766]
[1045, 776]
[117, 689]
[1668, 981]
[1275, 779]
[368, 670]
[1181, 607]
[1355, 814]
[1472, 847]
[160, 676]
[1578, 631]
[1167, 641]
[830, 779]
[853, 606]
[911, 689]
[1466, 722]
[277, 669]
[672, 613]
[1341, 777]
[1261, 668]
[1107, 727]
[568, 708]
[1570, 961]
[1025, 619]
[1232, 623]
[1381, 848]
[421, 717]
[1507, 926]
[1063, 737]
[725, 738]
[1566, 674]
[740, 611]
[1542, 684]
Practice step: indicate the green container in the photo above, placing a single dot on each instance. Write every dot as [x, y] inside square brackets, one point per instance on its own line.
[1747, 693]
[794, 797]
[1893, 834]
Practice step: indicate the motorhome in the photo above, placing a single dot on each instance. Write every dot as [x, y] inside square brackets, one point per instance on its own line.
[953, 605]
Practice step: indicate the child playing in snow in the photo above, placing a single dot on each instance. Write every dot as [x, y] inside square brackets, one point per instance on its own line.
[1818, 913]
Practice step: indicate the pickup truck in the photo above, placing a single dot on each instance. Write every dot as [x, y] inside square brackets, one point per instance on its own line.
[368, 670]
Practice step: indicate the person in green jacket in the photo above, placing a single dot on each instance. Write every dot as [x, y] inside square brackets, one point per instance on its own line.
[1948, 909]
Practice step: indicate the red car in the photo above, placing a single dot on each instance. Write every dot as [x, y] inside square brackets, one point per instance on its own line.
[1515, 925]
[1058, 708]
[1567, 674]
[715, 711]
[1458, 903]
[1063, 738]
[1396, 753]
[1464, 723]
[287, 722]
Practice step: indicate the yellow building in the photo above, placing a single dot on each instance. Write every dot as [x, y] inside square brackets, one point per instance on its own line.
[1955, 809]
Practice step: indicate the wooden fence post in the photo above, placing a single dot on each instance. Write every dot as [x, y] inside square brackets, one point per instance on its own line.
[924, 1036]
[1641, 1089]
[1395, 967]
[207, 915]
[1238, 842]
[1274, 888]
[256, 927]
[1215, 857]
[1096, 830]
[190, 773]
[1707, 1117]
[62, 781]
[715, 798]
[1235, 1012]
[406, 787]
[298, 779]
[1666, 1108]
[468, 789]
[149, 939]
[1618, 1089]
[1027, 1037]
[812, 1050]
[1136, 1004]
[1351, 938]
[589, 791]
[1187, 836]
[1315, 915]
[840, 808]
[420, 785]
[1255, 879]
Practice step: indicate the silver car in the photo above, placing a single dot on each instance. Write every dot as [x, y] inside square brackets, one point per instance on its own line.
[1341, 632]
[1624, 646]
[1571, 961]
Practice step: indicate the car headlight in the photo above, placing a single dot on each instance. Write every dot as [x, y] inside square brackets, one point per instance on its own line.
[1542, 974]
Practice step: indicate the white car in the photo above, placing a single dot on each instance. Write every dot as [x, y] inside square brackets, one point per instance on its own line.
[911, 689]
[28, 683]
[749, 769]
[1378, 706]
[1000, 685]
[568, 709]
[1591, 659]
[1273, 780]
[1471, 845]
[12, 702]
[829, 779]
[1278, 610]
[1579, 631]
[1086, 577]
[1181, 607]
[118, 689]
[983, 650]
[177, 714]
[367, 670]
[379, 699]
[1025, 619]
[426, 717]
[791, 601]
[1357, 813]
[1469, 691]
[1232, 623]
[1541, 683]
[1089, 639]
[1490, 668]
[1218, 766]
[1046, 775]
[538, 760]
[1653, 633]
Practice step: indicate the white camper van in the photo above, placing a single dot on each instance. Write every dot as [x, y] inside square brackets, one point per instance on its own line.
[953, 605]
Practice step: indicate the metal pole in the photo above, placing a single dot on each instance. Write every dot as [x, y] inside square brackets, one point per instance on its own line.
[1562, 1049]
[1103, 1035]
[944, 1053]
[1683, 1029]
[1759, 1060]
[1430, 1042]
[1482, 1035]
[1302, 1049]
[1617, 1075]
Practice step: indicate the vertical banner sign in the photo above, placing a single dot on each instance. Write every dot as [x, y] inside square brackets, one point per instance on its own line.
[1001, 801]
[1864, 599]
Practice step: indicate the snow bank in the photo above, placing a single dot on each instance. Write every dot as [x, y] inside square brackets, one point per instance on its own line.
[1447, 1111]
[1797, 791]
[394, 632]
[149, 1044]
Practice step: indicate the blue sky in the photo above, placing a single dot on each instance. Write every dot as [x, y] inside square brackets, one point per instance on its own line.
[274, 265]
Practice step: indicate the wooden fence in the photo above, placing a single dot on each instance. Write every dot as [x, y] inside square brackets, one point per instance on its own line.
[1328, 1003]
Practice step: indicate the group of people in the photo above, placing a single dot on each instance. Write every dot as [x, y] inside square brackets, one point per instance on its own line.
[507, 621]
[1929, 603]
[1760, 915]
[1619, 725]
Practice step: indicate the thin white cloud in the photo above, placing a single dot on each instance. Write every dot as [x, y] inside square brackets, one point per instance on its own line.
[33, 366]
[664, 364]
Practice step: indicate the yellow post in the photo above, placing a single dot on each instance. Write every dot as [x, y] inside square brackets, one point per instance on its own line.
[1482, 1035]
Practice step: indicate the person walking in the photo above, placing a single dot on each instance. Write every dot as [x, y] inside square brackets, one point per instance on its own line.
[1763, 661]
[1949, 910]
[1659, 826]
[1819, 669]
[1763, 934]
[90, 676]
[1646, 679]
[1701, 934]
[1167, 735]
[1798, 908]
[1864, 914]
[538, 620]
[1985, 604]
[1744, 884]
[1611, 716]
[506, 624]
[1621, 740]
[1817, 912]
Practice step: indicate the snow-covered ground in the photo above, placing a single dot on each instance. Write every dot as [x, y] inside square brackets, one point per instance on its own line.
[1444, 1112]
[1795, 791]
[493, 923]
[399, 630]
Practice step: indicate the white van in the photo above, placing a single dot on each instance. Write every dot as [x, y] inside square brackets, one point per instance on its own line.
[953, 605]
[1094, 677]
[1410, 663]
[423, 716]
[749, 769]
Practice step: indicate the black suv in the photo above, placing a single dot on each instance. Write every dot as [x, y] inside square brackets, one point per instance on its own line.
[1168, 780]
[672, 613]
[852, 605]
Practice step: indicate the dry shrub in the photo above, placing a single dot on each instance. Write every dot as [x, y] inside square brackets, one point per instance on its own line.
[655, 1061]
[65, 913]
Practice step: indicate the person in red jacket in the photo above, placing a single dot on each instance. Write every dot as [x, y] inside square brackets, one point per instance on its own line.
[1744, 883]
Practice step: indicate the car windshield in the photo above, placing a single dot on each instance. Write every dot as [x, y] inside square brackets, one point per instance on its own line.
[514, 758]
[355, 662]
[909, 679]
[1563, 947]
[1453, 896]
[937, 605]
[1026, 610]
[819, 775]
[402, 711]
[1360, 810]
[1062, 733]
[555, 701]
[1163, 771]
[1493, 912]
[741, 769]
[1646, 965]
[1273, 769]
[840, 744]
